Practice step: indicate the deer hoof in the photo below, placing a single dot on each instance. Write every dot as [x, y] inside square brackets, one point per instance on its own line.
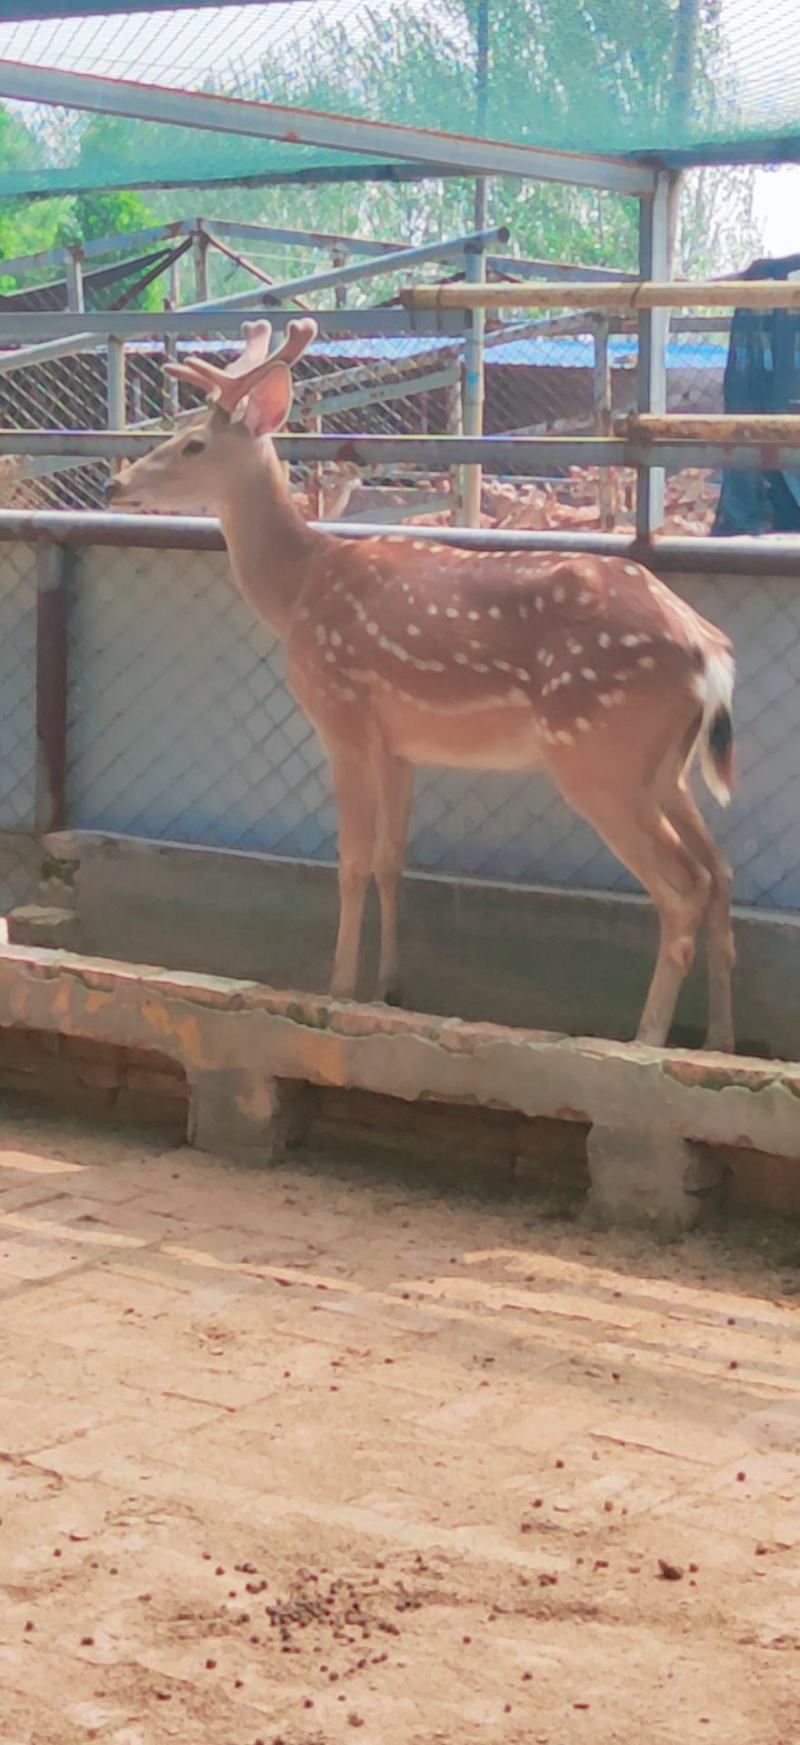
[720, 1042]
[392, 996]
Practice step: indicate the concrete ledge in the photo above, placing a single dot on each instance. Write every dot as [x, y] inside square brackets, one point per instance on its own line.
[245, 1048]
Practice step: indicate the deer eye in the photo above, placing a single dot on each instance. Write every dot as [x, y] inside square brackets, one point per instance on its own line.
[194, 446]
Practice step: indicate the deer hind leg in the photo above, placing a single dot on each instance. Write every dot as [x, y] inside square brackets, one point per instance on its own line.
[679, 886]
[684, 814]
[356, 798]
[395, 780]
[639, 833]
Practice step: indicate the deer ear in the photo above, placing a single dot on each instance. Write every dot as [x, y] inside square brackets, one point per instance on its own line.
[269, 402]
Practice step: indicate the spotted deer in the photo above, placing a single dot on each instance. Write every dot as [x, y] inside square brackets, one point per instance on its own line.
[406, 653]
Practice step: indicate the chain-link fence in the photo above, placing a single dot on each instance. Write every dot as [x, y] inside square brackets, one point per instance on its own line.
[181, 727]
[538, 382]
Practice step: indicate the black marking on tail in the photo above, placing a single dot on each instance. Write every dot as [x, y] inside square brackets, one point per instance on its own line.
[720, 737]
[720, 744]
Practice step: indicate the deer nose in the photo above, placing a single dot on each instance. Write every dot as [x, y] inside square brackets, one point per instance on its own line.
[111, 490]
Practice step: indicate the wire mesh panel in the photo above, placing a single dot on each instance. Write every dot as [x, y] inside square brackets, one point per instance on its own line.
[761, 831]
[181, 726]
[353, 384]
[180, 723]
[537, 383]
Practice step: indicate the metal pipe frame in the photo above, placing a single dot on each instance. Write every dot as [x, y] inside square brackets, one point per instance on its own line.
[58, 334]
[284, 122]
[379, 392]
[116, 397]
[137, 240]
[53, 566]
[74, 276]
[473, 394]
[56, 325]
[563, 271]
[82, 344]
[357, 270]
[307, 239]
[511, 456]
[601, 295]
[741, 556]
[651, 361]
[375, 370]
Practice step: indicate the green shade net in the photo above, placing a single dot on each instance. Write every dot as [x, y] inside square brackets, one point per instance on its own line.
[672, 78]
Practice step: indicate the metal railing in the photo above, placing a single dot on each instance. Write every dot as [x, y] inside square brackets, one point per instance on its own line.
[444, 467]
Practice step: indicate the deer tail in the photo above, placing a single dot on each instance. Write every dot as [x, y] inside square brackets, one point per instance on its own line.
[715, 684]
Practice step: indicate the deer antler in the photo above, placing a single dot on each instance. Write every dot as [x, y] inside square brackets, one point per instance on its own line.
[299, 336]
[257, 336]
[227, 387]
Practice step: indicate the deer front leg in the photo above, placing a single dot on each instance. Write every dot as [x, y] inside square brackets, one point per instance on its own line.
[395, 782]
[356, 798]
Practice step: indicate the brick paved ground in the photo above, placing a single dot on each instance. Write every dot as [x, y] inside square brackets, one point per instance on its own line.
[299, 1456]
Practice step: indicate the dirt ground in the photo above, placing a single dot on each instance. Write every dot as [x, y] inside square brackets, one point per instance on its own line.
[304, 1456]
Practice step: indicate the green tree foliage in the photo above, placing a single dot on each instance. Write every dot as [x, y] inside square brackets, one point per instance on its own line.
[25, 225]
[30, 226]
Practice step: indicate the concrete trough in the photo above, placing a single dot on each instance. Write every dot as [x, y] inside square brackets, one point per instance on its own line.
[573, 961]
[661, 1126]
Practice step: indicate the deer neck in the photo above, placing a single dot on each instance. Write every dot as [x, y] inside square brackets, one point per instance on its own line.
[269, 543]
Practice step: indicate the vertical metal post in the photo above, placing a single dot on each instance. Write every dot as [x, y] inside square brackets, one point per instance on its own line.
[175, 283]
[53, 571]
[673, 221]
[169, 388]
[115, 388]
[75, 298]
[200, 259]
[316, 497]
[653, 334]
[454, 426]
[115, 391]
[601, 393]
[339, 259]
[473, 390]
